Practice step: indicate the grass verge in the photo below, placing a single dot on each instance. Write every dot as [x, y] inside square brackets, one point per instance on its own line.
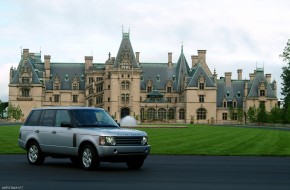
[194, 140]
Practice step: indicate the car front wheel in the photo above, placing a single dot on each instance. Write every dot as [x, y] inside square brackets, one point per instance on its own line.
[34, 154]
[89, 158]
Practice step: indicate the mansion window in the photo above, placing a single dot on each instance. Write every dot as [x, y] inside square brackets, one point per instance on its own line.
[75, 98]
[99, 87]
[56, 86]
[162, 114]
[149, 88]
[168, 99]
[91, 91]
[25, 92]
[201, 86]
[201, 98]
[75, 86]
[225, 104]
[225, 116]
[262, 92]
[169, 89]
[25, 80]
[181, 114]
[56, 98]
[234, 104]
[91, 80]
[171, 113]
[201, 114]
[99, 99]
[125, 98]
[99, 79]
[125, 85]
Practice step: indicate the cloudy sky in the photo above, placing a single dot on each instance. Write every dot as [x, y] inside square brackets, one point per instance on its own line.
[241, 34]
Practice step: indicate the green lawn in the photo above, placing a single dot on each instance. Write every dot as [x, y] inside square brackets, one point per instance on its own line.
[194, 140]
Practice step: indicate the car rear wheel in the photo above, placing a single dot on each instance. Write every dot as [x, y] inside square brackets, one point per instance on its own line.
[34, 154]
[135, 164]
[89, 158]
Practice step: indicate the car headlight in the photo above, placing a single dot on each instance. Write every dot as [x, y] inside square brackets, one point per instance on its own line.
[144, 140]
[107, 140]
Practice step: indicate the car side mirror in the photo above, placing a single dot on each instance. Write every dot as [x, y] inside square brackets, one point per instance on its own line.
[65, 124]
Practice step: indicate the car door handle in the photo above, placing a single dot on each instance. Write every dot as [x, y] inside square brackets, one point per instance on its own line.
[53, 132]
[37, 131]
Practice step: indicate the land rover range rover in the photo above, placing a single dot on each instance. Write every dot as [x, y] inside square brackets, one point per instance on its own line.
[87, 136]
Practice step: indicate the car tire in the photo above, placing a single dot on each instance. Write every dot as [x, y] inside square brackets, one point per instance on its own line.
[34, 154]
[135, 164]
[89, 158]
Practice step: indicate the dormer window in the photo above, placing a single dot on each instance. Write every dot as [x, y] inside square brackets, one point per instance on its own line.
[142, 77]
[66, 78]
[25, 80]
[238, 94]
[158, 78]
[201, 86]
[173, 78]
[228, 94]
[262, 92]
[75, 86]
[201, 83]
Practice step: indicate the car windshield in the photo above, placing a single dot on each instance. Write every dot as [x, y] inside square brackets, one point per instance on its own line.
[93, 118]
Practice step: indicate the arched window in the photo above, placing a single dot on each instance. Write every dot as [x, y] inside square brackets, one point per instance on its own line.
[142, 114]
[151, 114]
[162, 113]
[201, 114]
[181, 114]
[171, 113]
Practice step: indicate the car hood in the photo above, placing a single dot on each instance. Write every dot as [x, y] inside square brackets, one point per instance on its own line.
[112, 131]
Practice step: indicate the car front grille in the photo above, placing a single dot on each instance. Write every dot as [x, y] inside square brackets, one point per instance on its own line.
[128, 141]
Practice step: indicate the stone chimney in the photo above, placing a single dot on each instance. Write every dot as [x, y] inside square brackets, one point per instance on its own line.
[275, 87]
[47, 66]
[170, 59]
[240, 74]
[252, 76]
[201, 54]
[137, 57]
[228, 78]
[268, 77]
[25, 53]
[194, 60]
[88, 62]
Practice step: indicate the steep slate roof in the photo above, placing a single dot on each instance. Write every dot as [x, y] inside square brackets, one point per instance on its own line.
[72, 70]
[125, 49]
[181, 69]
[196, 73]
[254, 86]
[237, 86]
[152, 70]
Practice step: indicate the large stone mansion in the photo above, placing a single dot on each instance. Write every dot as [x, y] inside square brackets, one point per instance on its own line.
[152, 92]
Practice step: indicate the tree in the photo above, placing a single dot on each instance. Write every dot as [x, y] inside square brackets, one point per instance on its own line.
[275, 115]
[252, 114]
[240, 114]
[285, 76]
[14, 112]
[262, 115]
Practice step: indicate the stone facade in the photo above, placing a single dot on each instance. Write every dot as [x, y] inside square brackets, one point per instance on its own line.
[152, 92]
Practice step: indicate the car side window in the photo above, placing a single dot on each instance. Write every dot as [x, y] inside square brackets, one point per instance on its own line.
[48, 117]
[34, 118]
[61, 116]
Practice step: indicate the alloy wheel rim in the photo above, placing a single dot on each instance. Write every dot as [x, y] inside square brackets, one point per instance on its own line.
[33, 153]
[87, 158]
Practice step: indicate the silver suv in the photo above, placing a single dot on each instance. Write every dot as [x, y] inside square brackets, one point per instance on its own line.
[87, 136]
